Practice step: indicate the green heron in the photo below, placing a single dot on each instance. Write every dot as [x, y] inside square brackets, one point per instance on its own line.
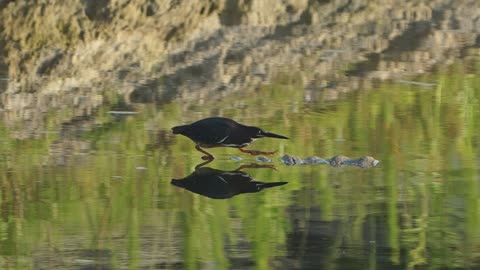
[223, 132]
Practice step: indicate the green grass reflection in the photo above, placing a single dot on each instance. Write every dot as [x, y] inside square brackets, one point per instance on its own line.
[104, 197]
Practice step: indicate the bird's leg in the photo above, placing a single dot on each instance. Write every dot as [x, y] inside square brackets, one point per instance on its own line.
[203, 164]
[256, 152]
[255, 165]
[207, 156]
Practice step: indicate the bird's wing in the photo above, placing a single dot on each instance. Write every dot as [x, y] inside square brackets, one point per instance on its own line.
[212, 134]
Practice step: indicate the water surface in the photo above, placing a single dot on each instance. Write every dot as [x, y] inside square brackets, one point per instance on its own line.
[97, 193]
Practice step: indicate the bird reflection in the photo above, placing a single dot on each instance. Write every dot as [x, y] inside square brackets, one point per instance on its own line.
[218, 184]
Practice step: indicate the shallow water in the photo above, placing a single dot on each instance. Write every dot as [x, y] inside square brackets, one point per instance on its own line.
[97, 193]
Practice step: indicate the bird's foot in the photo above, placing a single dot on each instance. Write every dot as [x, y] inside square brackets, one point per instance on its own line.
[255, 165]
[257, 152]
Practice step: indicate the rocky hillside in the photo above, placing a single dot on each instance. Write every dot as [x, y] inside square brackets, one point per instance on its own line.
[74, 55]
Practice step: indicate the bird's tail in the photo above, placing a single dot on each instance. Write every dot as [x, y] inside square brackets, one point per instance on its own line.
[179, 129]
[263, 185]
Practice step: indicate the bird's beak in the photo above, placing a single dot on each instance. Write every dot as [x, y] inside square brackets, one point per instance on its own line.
[176, 182]
[273, 135]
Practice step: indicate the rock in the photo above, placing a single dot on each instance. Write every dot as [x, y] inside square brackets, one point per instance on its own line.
[236, 158]
[338, 161]
[314, 160]
[365, 162]
[291, 160]
[263, 159]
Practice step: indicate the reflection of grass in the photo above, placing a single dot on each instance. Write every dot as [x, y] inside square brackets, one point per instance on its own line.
[424, 194]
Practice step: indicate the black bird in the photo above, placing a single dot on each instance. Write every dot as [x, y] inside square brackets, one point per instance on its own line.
[223, 132]
[218, 184]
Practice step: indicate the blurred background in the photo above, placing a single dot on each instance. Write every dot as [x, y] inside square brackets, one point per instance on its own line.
[89, 91]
